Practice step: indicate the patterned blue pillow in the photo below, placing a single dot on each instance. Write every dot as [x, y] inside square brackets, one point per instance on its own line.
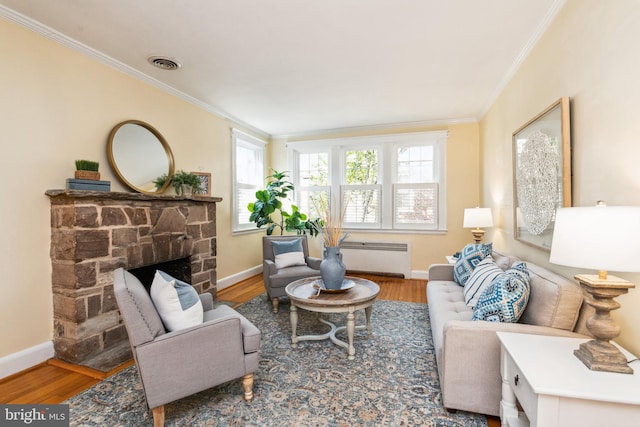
[470, 256]
[506, 297]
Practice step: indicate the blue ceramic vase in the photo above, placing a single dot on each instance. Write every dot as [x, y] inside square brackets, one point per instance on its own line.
[332, 269]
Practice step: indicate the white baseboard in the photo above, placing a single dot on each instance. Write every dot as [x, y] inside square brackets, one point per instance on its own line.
[420, 274]
[26, 358]
[235, 278]
[238, 277]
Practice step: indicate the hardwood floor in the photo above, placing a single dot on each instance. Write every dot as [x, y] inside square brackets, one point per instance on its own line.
[55, 381]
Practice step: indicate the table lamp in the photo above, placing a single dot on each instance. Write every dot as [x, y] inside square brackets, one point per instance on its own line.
[476, 218]
[599, 238]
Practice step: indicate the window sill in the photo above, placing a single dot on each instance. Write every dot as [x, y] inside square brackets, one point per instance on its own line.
[395, 231]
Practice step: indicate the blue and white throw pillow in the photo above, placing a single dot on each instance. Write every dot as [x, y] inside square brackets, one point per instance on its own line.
[288, 253]
[481, 277]
[177, 302]
[505, 299]
[470, 257]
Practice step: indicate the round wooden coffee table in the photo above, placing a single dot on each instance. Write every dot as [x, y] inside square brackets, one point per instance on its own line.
[304, 294]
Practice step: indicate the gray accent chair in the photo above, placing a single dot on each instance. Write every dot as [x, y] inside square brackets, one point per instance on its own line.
[276, 280]
[177, 364]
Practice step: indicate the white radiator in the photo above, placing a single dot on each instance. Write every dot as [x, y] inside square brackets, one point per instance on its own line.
[377, 257]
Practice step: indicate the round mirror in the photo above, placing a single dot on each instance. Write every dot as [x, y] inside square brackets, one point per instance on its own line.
[139, 155]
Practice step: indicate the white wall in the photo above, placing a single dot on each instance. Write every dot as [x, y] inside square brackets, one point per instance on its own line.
[589, 53]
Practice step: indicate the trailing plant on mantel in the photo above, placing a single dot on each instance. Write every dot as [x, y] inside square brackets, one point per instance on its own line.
[159, 181]
[269, 202]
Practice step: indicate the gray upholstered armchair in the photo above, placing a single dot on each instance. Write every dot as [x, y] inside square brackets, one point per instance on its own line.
[276, 279]
[173, 365]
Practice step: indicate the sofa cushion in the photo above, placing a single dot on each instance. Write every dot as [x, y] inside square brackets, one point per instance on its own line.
[505, 299]
[445, 302]
[470, 257]
[555, 301]
[504, 261]
[177, 302]
[481, 277]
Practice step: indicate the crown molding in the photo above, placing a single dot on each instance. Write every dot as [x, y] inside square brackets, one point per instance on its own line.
[527, 48]
[50, 33]
[369, 128]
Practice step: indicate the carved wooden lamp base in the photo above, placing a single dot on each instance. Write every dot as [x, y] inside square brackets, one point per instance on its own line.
[599, 354]
[602, 356]
[478, 234]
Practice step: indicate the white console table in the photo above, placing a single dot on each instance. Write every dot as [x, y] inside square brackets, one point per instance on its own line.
[554, 388]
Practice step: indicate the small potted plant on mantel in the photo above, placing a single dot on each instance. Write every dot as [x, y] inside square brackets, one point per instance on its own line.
[184, 183]
[87, 177]
[87, 169]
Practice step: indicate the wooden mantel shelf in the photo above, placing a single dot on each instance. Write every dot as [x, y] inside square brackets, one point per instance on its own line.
[111, 195]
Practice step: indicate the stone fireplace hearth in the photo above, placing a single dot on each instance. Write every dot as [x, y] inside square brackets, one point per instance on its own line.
[92, 234]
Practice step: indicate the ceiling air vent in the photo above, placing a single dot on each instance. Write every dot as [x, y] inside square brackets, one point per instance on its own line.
[164, 63]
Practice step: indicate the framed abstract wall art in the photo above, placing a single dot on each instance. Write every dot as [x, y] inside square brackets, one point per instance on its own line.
[205, 182]
[541, 174]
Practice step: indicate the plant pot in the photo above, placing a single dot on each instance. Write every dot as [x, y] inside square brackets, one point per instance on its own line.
[186, 190]
[90, 175]
[332, 269]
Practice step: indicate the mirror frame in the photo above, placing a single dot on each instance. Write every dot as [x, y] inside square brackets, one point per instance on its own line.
[162, 141]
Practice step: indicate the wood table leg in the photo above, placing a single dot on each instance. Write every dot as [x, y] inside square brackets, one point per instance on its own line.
[247, 387]
[158, 416]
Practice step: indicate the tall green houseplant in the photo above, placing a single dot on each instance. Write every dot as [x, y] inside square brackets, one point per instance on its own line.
[269, 202]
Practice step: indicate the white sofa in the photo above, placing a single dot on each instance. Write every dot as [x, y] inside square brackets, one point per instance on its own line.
[468, 352]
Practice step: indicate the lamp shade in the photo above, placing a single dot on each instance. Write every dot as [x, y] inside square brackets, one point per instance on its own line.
[477, 217]
[598, 238]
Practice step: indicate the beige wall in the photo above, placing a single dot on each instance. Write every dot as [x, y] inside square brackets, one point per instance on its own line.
[589, 53]
[58, 105]
[462, 192]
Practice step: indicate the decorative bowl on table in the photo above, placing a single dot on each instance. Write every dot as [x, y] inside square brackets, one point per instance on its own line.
[346, 285]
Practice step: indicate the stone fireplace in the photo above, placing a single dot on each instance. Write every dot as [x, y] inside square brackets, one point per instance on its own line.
[94, 233]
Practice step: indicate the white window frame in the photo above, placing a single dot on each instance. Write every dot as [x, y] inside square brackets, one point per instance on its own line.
[342, 186]
[239, 138]
[295, 168]
[387, 173]
[438, 143]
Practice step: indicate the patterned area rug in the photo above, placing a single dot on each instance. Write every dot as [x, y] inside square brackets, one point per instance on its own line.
[392, 381]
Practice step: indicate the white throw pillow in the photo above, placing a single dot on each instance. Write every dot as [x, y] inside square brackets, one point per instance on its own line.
[481, 277]
[288, 259]
[177, 302]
